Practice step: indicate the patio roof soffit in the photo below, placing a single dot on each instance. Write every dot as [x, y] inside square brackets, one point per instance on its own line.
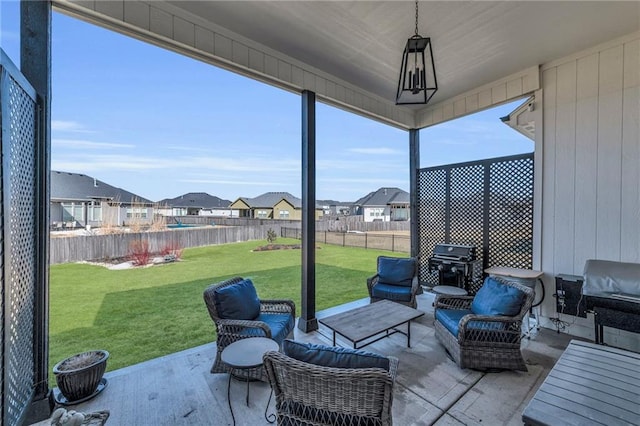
[346, 53]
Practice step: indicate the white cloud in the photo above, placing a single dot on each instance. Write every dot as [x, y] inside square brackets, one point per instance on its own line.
[362, 166]
[85, 162]
[188, 148]
[231, 182]
[375, 151]
[382, 181]
[68, 126]
[84, 144]
[84, 166]
[247, 164]
[452, 141]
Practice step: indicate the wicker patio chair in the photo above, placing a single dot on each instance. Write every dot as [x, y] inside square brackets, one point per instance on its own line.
[396, 279]
[278, 314]
[482, 341]
[308, 394]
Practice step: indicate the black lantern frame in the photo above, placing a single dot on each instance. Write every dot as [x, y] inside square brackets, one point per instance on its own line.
[417, 82]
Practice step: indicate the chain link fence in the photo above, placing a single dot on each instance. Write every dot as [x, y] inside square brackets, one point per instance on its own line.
[367, 240]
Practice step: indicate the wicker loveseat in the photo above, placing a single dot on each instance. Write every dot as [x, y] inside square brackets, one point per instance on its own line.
[396, 279]
[324, 385]
[485, 331]
[238, 314]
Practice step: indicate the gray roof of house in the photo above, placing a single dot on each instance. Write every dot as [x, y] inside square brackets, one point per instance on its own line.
[384, 196]
[78, 187]
[195, 199]
[270, 199]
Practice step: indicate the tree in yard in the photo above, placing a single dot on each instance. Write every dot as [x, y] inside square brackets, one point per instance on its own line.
[271, 236]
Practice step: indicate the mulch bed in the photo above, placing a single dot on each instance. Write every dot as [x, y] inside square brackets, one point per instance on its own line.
[269, 247]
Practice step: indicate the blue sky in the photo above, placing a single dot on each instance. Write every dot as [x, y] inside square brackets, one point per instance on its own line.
[160, 125]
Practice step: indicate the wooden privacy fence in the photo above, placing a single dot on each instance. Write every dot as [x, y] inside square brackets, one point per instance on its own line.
[334, 223]
[99, 247]
[229, 221]
[391, 242]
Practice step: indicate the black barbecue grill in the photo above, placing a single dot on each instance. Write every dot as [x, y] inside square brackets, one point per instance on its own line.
[612, 293]
[455, 264]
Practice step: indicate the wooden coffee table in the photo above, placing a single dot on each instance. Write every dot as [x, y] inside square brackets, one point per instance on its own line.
[363, 323]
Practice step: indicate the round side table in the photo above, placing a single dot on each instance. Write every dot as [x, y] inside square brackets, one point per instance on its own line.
[449, 290]
[245, 354]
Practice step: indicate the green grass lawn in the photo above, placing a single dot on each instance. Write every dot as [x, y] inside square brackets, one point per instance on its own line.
[139, 314]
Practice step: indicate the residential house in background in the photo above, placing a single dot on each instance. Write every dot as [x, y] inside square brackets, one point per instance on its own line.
[334, 208]
[272, 205]
[79, 200]
[385, 204]
[195, 204]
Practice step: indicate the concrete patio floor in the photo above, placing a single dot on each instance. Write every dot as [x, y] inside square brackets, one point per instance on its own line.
[178, 389]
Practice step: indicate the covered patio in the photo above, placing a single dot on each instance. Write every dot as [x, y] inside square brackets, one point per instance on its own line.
[578, 61]
[178, 389]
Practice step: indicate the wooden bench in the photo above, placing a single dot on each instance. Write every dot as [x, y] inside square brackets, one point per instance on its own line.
[589, 385]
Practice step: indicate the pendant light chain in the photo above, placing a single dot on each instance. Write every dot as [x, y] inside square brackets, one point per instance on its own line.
[416, 17]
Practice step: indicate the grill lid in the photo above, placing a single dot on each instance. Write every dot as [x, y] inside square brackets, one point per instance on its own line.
[605, 278]
[454, 252]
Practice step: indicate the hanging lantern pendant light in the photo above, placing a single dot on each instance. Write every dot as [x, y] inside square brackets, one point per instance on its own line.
[417, 82]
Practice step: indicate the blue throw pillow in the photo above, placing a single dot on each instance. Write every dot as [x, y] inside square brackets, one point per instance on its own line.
[495, 298]
[330, 356]
[238, 301]
[396, 271]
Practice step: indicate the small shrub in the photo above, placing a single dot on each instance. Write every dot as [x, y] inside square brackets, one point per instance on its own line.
[159, 223]
[173, 248]
[271, 236]
[139, 252]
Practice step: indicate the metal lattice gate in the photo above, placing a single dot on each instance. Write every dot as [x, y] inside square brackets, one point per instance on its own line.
[18, 118]
[488, 204]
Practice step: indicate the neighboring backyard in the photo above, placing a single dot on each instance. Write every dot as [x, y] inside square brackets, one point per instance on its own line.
[143, 313]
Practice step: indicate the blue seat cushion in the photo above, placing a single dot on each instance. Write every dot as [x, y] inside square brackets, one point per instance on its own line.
[238, 301]
[450, 319]
[398, 271]
[392, 292]
[331, 356]
[279, 324]
[495, 298]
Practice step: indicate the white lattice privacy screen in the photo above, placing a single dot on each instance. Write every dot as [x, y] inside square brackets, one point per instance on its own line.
[18, 200]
